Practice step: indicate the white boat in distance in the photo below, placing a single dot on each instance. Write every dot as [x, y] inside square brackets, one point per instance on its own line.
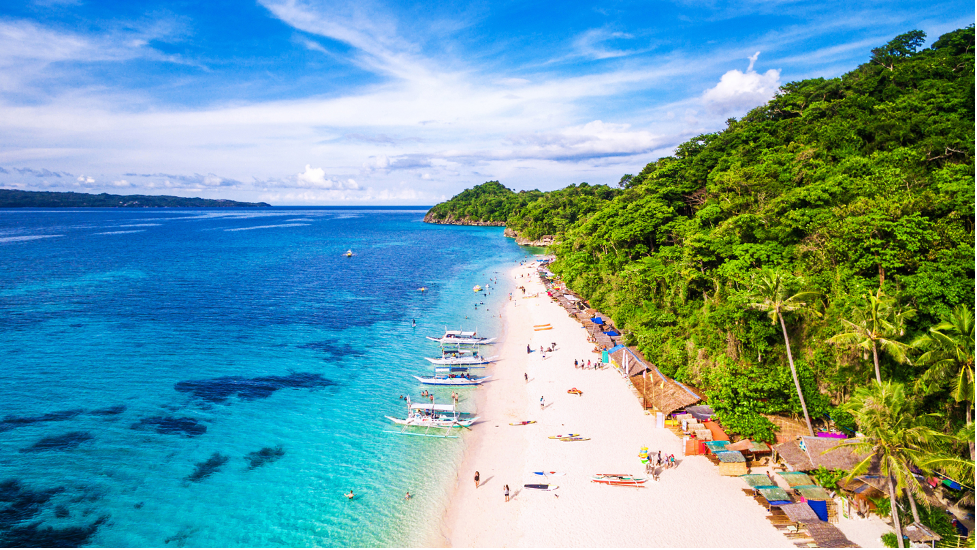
[426, 415]
[461, 337]
[461, 357]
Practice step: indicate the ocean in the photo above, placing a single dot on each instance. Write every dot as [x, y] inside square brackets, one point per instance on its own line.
[219, 378]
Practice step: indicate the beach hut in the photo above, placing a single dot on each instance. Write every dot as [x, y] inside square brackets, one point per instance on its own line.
[731, 463]
[921, 534]
[703, 434]
[858, 495]
[715, 446]
[796, 479]
[774, 496]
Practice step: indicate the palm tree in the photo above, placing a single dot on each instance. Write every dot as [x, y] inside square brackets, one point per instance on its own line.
[894, 442]
[769, 294]
[949, 351]
[876, 326]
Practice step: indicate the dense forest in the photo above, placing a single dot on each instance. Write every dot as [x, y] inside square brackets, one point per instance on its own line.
[12, 198]
[817, 254]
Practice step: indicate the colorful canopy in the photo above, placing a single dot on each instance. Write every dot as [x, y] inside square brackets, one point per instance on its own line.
[716, 445]
[774, 494]
[758, 480]
[813, 492]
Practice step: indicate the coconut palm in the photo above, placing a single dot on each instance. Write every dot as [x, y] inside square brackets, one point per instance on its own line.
[769, 294]
[949, 352]
[894, 442]
[877, 325]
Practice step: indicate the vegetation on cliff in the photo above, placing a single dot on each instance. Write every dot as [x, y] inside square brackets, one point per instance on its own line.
[849, 189]
[12, 198]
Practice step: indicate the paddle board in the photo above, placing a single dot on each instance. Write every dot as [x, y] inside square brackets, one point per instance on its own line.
[562, 436]
[523, 423]
[547, 474]
[541, 486]
[574, 439]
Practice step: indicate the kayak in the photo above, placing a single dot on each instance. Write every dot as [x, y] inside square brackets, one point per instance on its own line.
[541, 486]
[523, 423]
[562, 436]
[574, 439]
[549, 473]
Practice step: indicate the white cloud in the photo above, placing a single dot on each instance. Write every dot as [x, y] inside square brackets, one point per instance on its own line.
[737, 91]
[86, 179]
[316, 178]
[121, 183]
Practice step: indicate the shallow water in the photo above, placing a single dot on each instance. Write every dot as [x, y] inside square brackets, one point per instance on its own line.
[219, 378]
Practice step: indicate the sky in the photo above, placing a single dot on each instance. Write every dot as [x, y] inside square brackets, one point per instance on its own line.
[299, 102]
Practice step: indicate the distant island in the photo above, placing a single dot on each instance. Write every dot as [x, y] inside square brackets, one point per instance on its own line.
[12, 198]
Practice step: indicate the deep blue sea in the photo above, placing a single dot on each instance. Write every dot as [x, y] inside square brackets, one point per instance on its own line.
[220, 377]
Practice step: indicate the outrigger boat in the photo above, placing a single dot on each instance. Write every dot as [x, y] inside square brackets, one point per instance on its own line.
[461, 357]
[461, 337]
[432, 416]
[452, 376]
[619, 479]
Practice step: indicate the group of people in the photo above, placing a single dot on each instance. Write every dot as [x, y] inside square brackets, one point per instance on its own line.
[657, 461]
[581, 365]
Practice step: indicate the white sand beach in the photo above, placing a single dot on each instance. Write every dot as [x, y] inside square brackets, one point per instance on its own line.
[691, 505]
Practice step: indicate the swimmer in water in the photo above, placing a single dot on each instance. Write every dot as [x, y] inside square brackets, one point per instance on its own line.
[349, 495]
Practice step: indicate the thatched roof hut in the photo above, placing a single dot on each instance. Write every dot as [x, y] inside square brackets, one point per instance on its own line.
[807, 453]
[800, 513]
[826, 535]
[657, 390]
[918, 532]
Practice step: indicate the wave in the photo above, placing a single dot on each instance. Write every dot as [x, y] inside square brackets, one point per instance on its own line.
[268, 226]
[26, 238]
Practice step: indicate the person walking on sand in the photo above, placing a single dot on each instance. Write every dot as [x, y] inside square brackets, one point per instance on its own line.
[528, 349]
[476, 479]
[526, 375]
[541, 402]
[507, 493]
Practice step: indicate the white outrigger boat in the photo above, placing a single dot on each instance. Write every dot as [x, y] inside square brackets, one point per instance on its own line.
[428, 416]
[461, 357]
[452, 376]
[461, 337]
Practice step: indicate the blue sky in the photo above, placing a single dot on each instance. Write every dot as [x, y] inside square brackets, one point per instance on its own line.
[301, 102]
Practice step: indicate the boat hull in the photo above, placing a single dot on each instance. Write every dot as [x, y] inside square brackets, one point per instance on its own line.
[462, 361]
[452, 381]
[433, 423]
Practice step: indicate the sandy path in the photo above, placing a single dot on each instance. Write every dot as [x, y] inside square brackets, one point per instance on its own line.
[692, 505]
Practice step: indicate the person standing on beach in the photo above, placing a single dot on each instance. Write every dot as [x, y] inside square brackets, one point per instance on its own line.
[575, 364]
[528, 349]
[541, 402]
[507, 493]
[476, 479]
[526, 375]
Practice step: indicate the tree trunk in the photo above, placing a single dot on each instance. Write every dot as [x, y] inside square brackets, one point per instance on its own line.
[969, 420]
[875, 357]
[912, 505]
[895, 512]
[793, 371]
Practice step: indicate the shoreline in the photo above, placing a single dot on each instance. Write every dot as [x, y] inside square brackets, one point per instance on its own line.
[699, 507]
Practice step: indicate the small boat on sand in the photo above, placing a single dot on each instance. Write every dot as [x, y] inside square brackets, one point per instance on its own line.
[619, 479]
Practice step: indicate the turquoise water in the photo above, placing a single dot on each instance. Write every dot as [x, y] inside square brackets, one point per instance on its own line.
[219, 378]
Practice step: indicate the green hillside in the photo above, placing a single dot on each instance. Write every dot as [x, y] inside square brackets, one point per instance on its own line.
[12, 198]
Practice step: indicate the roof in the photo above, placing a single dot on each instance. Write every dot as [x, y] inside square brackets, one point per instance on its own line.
[730, 456]
[918, 532]
[813, 492]
[700, 412]
[826, 535]
[807, 453]
[749, 446]
[758, 480]
[718, 446]
[717, 431]
[795, 479]
[800, 513]
[774, 494]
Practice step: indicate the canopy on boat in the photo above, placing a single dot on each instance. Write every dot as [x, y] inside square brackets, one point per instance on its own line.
[432, 407]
